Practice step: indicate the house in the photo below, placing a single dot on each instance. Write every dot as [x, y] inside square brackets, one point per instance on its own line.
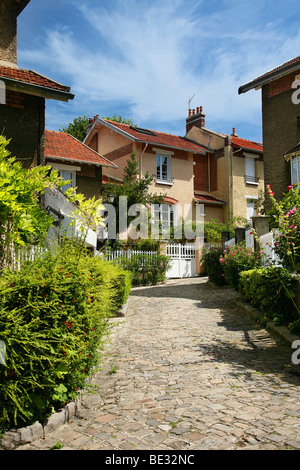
[22, 111]
[229, 177]
[76, 162]
[281, 124]
[169, 158]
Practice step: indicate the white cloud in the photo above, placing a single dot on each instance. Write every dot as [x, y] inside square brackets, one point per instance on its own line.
[153, 56]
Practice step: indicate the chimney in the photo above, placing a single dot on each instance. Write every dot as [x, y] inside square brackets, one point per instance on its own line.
[196, 118]
[9, 12]
[233, 132]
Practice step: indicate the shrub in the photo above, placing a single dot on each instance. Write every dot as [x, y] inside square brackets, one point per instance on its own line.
[53, 320]
[211, 264]
[145, 269]
[236, 259]
[267, 289]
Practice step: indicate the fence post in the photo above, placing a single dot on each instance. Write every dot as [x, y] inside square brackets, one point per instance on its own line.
[240, 234]
[261, 225]
[225, 238]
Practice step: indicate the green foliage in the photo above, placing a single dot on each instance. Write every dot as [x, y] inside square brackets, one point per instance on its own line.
[22, 220]
[236, 259]
[212, 266]
[134, 188]
[271, 291]
[120, 120]
[213, 229]
[286, 217]
[145, 269]
[77, 128]
[53, 320]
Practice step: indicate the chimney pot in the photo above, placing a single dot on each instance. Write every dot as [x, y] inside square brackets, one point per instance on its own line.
[198, 110]
[201, 109]
[190, 112]
[194, 112]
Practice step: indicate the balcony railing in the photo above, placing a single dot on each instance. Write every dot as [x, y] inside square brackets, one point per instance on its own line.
[251, 179]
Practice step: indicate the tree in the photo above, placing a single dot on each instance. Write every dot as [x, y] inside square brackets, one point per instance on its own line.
[77, 128]
[22, 219]
[134, 188]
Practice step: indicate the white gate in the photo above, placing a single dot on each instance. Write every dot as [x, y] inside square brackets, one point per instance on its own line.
[183, 260]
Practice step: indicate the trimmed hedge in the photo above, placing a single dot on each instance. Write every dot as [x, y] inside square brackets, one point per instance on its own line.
[145, 269]
[53, 320]
[266, 289]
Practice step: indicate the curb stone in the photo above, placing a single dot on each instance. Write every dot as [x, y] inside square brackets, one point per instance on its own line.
[14, 438]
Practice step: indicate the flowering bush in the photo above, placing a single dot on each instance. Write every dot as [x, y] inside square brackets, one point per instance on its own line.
[211, 264]
[236, 259]
[286, 214]
[53, 320]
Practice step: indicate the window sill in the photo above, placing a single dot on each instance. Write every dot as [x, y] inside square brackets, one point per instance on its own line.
[253, 183]
[167, 183]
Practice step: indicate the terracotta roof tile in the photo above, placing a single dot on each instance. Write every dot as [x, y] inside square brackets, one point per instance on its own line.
[282, 69]
[208, 199]
[247, 144]
[159, 138]
[32, 78]
[65, 147]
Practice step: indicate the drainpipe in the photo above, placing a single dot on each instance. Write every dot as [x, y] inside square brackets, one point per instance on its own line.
[141, 156]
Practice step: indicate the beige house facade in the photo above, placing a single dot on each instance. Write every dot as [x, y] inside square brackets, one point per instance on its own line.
[232, 171]
[169, 158]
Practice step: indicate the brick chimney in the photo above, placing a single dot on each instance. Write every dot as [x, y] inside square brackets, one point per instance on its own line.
[9, 12]
[234, 132]
[196, 118]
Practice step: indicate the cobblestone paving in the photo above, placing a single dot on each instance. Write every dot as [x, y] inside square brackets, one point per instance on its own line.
[186, 369]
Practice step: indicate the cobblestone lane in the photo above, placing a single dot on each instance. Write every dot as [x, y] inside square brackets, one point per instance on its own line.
[187, 369]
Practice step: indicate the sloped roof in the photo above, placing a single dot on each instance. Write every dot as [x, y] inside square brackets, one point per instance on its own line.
[246, 144]
[62, 146]
[283, 69]
[153, 137]
[38, 84]
[207, 199]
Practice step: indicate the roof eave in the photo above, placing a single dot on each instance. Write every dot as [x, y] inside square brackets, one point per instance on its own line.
[259, 82]
[37, 90]
[73, 160]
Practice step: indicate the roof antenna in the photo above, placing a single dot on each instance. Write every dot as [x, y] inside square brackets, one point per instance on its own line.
[190, 100]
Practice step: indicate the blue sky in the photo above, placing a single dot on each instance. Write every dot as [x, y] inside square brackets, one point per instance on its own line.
[144, 60]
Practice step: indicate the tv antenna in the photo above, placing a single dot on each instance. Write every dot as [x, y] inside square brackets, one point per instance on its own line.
[191, 99]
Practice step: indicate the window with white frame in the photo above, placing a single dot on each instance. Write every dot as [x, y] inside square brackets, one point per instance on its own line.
[67, 173]
[295, 168]
[163, 168]
[166, 214]
[250, 175]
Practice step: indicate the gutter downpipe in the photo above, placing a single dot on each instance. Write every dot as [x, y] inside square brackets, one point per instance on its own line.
[141, 161]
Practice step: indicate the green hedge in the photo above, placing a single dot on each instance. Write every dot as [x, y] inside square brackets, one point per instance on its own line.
[145, 269]
[266, 289]
[237, 259]
[54, 320]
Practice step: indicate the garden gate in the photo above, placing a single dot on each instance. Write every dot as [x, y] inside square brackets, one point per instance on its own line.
[183, 260]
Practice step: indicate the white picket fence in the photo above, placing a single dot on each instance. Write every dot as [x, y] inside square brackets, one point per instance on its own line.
[128, 254]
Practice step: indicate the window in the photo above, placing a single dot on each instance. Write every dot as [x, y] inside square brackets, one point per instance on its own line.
[166, 214]
[250, 177]
[67, 173]
[295, 164]
[163, 169]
